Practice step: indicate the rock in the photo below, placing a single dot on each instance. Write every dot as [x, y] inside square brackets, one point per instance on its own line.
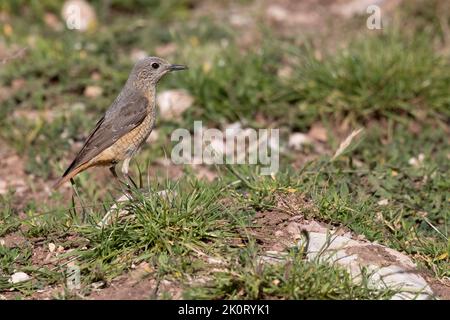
[385, 267]
[313, 226]
[277, 13]
[137, 54]
[298, 140]
[417, 161]
[355, 7]
[279, 233]
[51, 247]
[79, 15]
[383, 202]
[166, 49]
[98, 285]
[285, 16]
[233, 127]
[93, 91]
[153, 137]
[141, 271]
[217, 261]
[285, 72]
[240, 20]
[96, 76]
[3, 187]
[19, 277]
[53, 22]
[293, 229]
[172, 103]
[318, 132]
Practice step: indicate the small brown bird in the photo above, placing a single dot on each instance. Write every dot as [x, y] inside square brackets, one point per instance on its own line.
[127, 123]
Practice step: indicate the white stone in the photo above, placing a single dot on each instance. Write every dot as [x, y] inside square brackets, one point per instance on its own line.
[277, 13]
[93, 91]
[19, 277]
[417, 161]
[3, 187]
[51, 247]
[138, 54]
[79, 15]
[355, 7]
[153, 137]
[399, 274]
[298, 140]
[172, 103]
[233, 127]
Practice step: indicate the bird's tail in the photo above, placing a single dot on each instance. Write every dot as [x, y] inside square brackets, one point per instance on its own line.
[69, 175]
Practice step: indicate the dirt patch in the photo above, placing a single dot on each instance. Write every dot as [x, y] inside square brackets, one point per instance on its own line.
[138, 284]
[440, 287]
[18, 185]
[146, 289]
[373, 254]
[294, 203]
[12, 172]
[13, 240]
[280, 227]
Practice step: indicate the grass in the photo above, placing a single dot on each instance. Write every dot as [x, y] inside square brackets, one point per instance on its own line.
[393, 83]
[405, 79]
[418, 207]
[174, 233]
[162, 225]
[248, 278]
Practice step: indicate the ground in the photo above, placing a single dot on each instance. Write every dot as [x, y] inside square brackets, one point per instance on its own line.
[310, 68]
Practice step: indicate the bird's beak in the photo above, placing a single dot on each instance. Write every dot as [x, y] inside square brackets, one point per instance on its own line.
[177, 67]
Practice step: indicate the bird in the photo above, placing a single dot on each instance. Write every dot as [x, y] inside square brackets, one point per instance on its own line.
[126, 125]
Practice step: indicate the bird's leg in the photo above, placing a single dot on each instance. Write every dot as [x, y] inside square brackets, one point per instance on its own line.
[125, 168]
[112, 169]
[75, 189]
[114, 173]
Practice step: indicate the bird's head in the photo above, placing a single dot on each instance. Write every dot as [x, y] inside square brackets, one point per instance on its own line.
[148, 71]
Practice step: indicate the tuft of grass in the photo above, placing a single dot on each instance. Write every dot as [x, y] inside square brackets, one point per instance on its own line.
[185, 219]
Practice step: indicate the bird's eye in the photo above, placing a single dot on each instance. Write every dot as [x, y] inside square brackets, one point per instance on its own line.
[155, 65]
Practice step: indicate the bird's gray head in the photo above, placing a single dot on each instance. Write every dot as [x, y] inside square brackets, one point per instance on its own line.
[148, 71]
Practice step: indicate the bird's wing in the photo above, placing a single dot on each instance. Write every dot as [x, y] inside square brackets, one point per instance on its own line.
[123, 116]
